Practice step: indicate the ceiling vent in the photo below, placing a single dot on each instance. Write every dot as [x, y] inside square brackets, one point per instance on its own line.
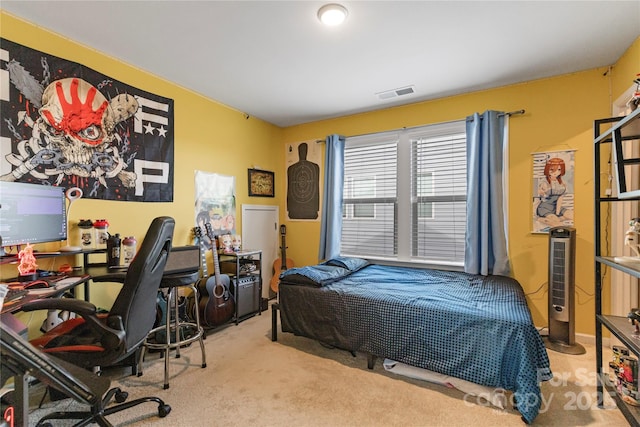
[388, 94]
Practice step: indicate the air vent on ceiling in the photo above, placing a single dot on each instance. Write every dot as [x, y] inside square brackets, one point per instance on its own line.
[388, 94]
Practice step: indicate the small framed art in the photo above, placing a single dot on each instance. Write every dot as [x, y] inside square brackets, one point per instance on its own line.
[261, 183]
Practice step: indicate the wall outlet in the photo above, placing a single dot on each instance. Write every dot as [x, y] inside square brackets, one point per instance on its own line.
[607, 192]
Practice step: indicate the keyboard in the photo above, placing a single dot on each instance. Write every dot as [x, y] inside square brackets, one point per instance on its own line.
[65, 281]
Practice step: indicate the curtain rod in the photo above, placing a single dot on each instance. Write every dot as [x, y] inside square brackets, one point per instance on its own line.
[393, 130]
[510, 113]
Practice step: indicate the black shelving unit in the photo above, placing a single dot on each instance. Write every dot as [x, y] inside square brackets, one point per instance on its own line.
[620, 129]
[244, 268]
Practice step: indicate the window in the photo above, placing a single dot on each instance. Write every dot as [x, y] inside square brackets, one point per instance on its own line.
[404, 195]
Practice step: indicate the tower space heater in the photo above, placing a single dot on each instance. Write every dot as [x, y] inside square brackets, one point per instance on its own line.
[562, 266]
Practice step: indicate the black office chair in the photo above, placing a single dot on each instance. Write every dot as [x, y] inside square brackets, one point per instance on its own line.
[93, 339]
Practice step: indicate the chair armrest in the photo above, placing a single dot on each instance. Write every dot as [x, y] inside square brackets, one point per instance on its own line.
[116, 276]
[70, 304]
[111, 332]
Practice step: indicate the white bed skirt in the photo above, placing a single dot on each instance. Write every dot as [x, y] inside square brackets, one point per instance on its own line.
[495, 396]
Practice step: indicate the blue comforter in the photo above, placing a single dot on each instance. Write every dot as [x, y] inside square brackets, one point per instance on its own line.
[477, 328]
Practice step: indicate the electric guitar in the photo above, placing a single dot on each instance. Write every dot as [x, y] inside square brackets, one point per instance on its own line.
[281, 264]
[216, 304]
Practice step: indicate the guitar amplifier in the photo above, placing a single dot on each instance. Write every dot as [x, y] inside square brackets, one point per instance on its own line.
[246, 290]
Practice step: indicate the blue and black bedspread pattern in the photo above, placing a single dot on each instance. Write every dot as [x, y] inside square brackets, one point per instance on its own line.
[477, 328]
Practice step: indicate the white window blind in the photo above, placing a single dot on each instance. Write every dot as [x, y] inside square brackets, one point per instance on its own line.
[369, 196]
[405, 195]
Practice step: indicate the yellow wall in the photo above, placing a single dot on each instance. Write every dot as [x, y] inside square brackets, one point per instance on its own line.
[211, 137]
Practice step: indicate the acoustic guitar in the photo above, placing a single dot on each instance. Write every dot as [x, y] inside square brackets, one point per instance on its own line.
[216, 302]
[282, 263]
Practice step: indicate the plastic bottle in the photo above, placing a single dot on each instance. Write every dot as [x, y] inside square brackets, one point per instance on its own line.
[113, 250]
[128, 249]
[87, 240]
[101, 227]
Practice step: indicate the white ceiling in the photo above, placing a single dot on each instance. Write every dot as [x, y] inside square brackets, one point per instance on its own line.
[275, 61]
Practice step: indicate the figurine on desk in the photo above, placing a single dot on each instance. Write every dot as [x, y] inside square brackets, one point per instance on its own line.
[236, 243]
[225, 242]
[27, 268]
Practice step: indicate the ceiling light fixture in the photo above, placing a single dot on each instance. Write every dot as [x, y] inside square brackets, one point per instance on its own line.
[332, 14]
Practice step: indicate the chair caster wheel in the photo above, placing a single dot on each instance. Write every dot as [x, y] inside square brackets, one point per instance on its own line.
[121, 396]
[163, 410]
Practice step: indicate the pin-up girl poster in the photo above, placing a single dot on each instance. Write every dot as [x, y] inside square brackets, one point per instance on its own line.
[553, 184]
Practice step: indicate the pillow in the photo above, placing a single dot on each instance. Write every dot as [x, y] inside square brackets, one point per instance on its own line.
[351, 264]
[313, 275]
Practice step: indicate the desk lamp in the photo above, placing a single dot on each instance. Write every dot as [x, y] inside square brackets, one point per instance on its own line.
[72, 194]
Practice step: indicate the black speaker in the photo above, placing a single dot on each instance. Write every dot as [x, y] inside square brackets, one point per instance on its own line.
[246, 291]
[562, 266]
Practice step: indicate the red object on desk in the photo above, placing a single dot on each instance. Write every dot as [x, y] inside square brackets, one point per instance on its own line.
[28, 265]
[65, 268]
[36, 284]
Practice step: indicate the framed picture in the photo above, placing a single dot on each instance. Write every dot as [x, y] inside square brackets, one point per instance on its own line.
[261, 183]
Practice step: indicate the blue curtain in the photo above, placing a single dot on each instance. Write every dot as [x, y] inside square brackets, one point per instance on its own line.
[331, 220]
[486, 242]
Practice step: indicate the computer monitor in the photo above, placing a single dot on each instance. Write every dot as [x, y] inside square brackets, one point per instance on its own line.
[31, 213]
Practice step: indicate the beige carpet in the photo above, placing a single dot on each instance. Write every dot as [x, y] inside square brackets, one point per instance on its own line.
[252, 381]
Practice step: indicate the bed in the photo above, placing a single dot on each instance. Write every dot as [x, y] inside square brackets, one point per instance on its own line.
[472, 327]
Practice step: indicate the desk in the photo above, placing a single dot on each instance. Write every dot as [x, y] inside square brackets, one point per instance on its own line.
[77, 272]
[55, 290]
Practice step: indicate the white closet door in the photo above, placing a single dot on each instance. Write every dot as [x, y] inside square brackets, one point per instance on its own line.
[260, 230]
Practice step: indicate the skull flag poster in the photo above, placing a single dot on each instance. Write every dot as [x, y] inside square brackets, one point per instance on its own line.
[67, 125]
